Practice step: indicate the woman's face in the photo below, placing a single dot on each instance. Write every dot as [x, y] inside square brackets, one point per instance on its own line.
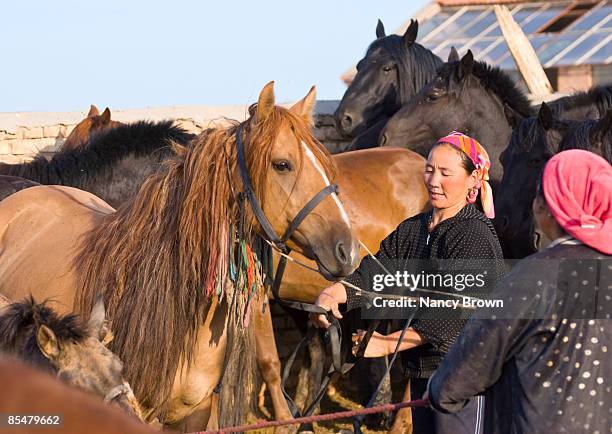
[447, 181]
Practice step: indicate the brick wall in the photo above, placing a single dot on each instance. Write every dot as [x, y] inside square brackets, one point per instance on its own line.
[25, 135]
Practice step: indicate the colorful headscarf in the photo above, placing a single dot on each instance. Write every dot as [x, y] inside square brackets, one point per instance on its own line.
[577, 185]
[482, 163]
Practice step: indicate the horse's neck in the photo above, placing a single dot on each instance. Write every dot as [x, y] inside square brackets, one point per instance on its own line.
[489, 126]
[581, 112]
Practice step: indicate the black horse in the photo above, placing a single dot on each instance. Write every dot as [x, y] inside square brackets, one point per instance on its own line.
[12, 184]
[467, 96]
[114, 163]
[559, 125]
[392, 71]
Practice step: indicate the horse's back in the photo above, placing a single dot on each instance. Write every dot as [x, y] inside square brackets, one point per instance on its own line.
[391, 175]
[40, 228]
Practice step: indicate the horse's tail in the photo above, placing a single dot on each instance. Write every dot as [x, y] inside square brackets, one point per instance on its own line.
[241, 376]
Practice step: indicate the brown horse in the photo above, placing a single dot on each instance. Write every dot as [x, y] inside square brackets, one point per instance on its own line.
[66, 347]
[364, 177]
[28, 391]
[158, 258]
[93, 123]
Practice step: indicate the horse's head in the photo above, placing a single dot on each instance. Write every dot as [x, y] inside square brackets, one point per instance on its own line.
[466, 96]
[376, 89]
[76, 352]
[533, 141]
[94, 122]
[433, 112]
[288, 167]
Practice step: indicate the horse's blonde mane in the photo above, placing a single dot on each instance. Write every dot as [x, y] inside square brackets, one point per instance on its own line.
[157, 257]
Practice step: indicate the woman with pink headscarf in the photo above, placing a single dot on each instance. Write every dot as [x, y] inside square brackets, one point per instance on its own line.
[454, 239]
[543, 363]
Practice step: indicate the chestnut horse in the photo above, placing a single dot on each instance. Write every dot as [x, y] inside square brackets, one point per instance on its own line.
[364, 177]
[93, 123]
[28, 391]
[161, 260]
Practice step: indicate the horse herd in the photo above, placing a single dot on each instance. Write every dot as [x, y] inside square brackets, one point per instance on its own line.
[170, 281]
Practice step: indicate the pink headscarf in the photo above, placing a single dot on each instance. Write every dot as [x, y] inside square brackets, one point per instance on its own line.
[577, 185]
[480, 158]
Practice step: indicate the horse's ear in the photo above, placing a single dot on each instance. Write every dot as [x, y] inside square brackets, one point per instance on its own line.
[453, 56]
[106, 116]
[96, 319]
[47, 342]
[602, 127]
[380, 30]
[93, 111]
[545, 116]
[411, 33]
[265, 103]
[305, 106]
[513, 117]
[466, 64]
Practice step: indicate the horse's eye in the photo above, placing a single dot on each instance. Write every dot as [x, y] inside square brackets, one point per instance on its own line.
[282, 166]
[431, 97]
[388, 68]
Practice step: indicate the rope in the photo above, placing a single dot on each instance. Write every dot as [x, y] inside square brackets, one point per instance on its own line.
[363, 292]
[319, 418]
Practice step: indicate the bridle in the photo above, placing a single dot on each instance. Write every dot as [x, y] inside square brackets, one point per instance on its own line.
[118, 391]
[334, 332]
[278, 242]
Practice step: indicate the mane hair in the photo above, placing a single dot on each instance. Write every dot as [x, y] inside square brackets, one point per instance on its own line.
[579, 137]
[20, 321]
[495, 80]
[416, 65]
[97, 157]
[157, 257]
[526, 134]
[598, 96]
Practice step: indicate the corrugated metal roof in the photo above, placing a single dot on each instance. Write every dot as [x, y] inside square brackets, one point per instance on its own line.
[586, 40]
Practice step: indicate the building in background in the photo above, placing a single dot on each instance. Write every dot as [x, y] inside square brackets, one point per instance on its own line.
[572, 39]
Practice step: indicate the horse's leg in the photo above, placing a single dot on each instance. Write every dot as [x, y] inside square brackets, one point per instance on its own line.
[403, 419]
[269, 362]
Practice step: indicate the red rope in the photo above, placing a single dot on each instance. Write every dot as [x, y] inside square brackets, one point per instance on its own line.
[320, 417]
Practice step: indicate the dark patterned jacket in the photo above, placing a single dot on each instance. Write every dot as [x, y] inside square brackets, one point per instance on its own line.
[544, 366]
[468, 236]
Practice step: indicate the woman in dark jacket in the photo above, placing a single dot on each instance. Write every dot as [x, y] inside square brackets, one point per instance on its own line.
[545, 365]
[453, 238]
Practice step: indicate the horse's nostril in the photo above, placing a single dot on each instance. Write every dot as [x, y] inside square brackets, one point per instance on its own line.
[346, 122]
[383, 139]
[341, 254]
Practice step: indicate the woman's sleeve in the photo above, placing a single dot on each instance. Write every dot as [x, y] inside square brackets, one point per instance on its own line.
[387, 254]
[476, 360]
[470, 246]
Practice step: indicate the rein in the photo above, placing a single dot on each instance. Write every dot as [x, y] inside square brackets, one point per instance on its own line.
[334, 332]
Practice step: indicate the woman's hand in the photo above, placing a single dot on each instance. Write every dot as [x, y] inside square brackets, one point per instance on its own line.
[329, 299]
[378, 345]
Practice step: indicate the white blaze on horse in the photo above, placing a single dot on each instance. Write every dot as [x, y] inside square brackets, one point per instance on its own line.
[164, 259]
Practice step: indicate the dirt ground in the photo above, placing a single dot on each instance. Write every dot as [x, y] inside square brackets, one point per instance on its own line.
[342, 397]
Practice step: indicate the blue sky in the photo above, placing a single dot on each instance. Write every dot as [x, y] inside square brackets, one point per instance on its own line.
[64, 55]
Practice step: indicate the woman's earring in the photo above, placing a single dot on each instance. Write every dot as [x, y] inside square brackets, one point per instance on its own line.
[472, 195]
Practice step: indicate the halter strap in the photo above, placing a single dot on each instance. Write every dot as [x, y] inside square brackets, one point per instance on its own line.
[256, 207]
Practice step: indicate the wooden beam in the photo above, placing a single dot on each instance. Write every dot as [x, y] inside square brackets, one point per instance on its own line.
[523, 53]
